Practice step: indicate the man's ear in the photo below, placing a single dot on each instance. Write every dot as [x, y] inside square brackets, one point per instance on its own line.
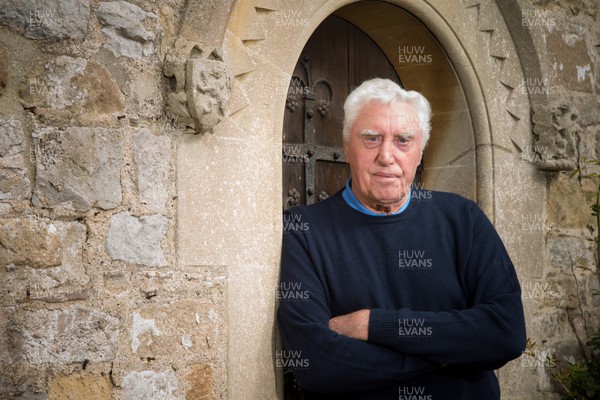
[345, 147]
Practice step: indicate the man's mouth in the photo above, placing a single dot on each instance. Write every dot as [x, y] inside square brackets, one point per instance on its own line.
[381, 175]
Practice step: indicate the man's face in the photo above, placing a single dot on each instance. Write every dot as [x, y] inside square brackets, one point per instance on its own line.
[384, 150]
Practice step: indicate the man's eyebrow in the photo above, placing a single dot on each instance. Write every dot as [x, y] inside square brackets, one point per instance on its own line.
[405, 134]
[369, 132]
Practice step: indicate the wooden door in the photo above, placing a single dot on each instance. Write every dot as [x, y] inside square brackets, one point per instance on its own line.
[336, 58]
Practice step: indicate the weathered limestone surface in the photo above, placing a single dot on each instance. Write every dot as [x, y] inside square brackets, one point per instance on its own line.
[78, 168]
[152, 155]
[72, 334]
[136, 240]
[194, 326]
[47, 19]
[11, 138]
[14, 182]
[42, 260]
[80, 386]
[150, 384]
[200, 381]
[125, 32]
[74, 85]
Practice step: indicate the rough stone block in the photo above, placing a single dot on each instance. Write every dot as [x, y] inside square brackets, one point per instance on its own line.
[189, 329]
[101, 92]
[569, 52]
[201, 386]
[14, 183]
[80, 386]
[68, 335]
[78, 169]
[11, 137]
[136, 240]
[42, 260]
[567, 253]
[47, 19]
[142, 385]
[152, 155]
[56, 85]
[125, 32]
[30, 242]
[76, 85]
[567, 203]
[207, 283]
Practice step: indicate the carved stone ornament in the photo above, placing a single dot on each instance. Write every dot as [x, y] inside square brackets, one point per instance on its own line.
[201, 85]
[555, 128]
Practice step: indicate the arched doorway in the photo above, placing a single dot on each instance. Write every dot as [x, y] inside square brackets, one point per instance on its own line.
[469, 105]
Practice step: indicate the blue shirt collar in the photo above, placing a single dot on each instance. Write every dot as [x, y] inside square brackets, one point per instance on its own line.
[353, 202]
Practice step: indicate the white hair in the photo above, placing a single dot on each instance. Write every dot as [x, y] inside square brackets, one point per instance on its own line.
[386, 91]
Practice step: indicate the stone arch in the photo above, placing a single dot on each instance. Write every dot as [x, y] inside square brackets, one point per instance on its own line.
[235, 173]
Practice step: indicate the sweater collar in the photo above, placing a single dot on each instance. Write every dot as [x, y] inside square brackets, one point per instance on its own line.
[353, 201]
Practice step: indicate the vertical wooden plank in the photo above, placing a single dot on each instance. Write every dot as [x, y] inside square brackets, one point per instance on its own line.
[328, 51]
[330, 177]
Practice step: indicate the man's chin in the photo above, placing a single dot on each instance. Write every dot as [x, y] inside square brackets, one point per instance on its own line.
[391, 200]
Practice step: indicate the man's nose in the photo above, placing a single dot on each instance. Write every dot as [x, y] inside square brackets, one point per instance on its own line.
[386, 152]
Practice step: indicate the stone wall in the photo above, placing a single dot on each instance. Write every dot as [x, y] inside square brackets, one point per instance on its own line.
[94, 302]
[562, 299]
[125, 272]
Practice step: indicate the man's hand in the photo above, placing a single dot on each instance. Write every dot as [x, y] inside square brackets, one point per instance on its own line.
[354, 325]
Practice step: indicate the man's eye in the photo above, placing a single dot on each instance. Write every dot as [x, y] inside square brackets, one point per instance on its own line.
[371, 140]
[403, 140]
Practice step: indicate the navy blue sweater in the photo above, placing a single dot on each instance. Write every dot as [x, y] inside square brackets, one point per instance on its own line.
[444, 298]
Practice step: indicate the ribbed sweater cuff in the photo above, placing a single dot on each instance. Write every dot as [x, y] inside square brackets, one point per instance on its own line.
[383, 326]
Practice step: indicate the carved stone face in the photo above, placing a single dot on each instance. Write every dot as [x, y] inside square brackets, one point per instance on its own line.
[384, 151]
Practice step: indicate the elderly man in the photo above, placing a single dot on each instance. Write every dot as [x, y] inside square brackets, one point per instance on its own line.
[407, 294]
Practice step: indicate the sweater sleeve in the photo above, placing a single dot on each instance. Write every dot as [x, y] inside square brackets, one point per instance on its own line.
[322, 360]
[486, 335]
